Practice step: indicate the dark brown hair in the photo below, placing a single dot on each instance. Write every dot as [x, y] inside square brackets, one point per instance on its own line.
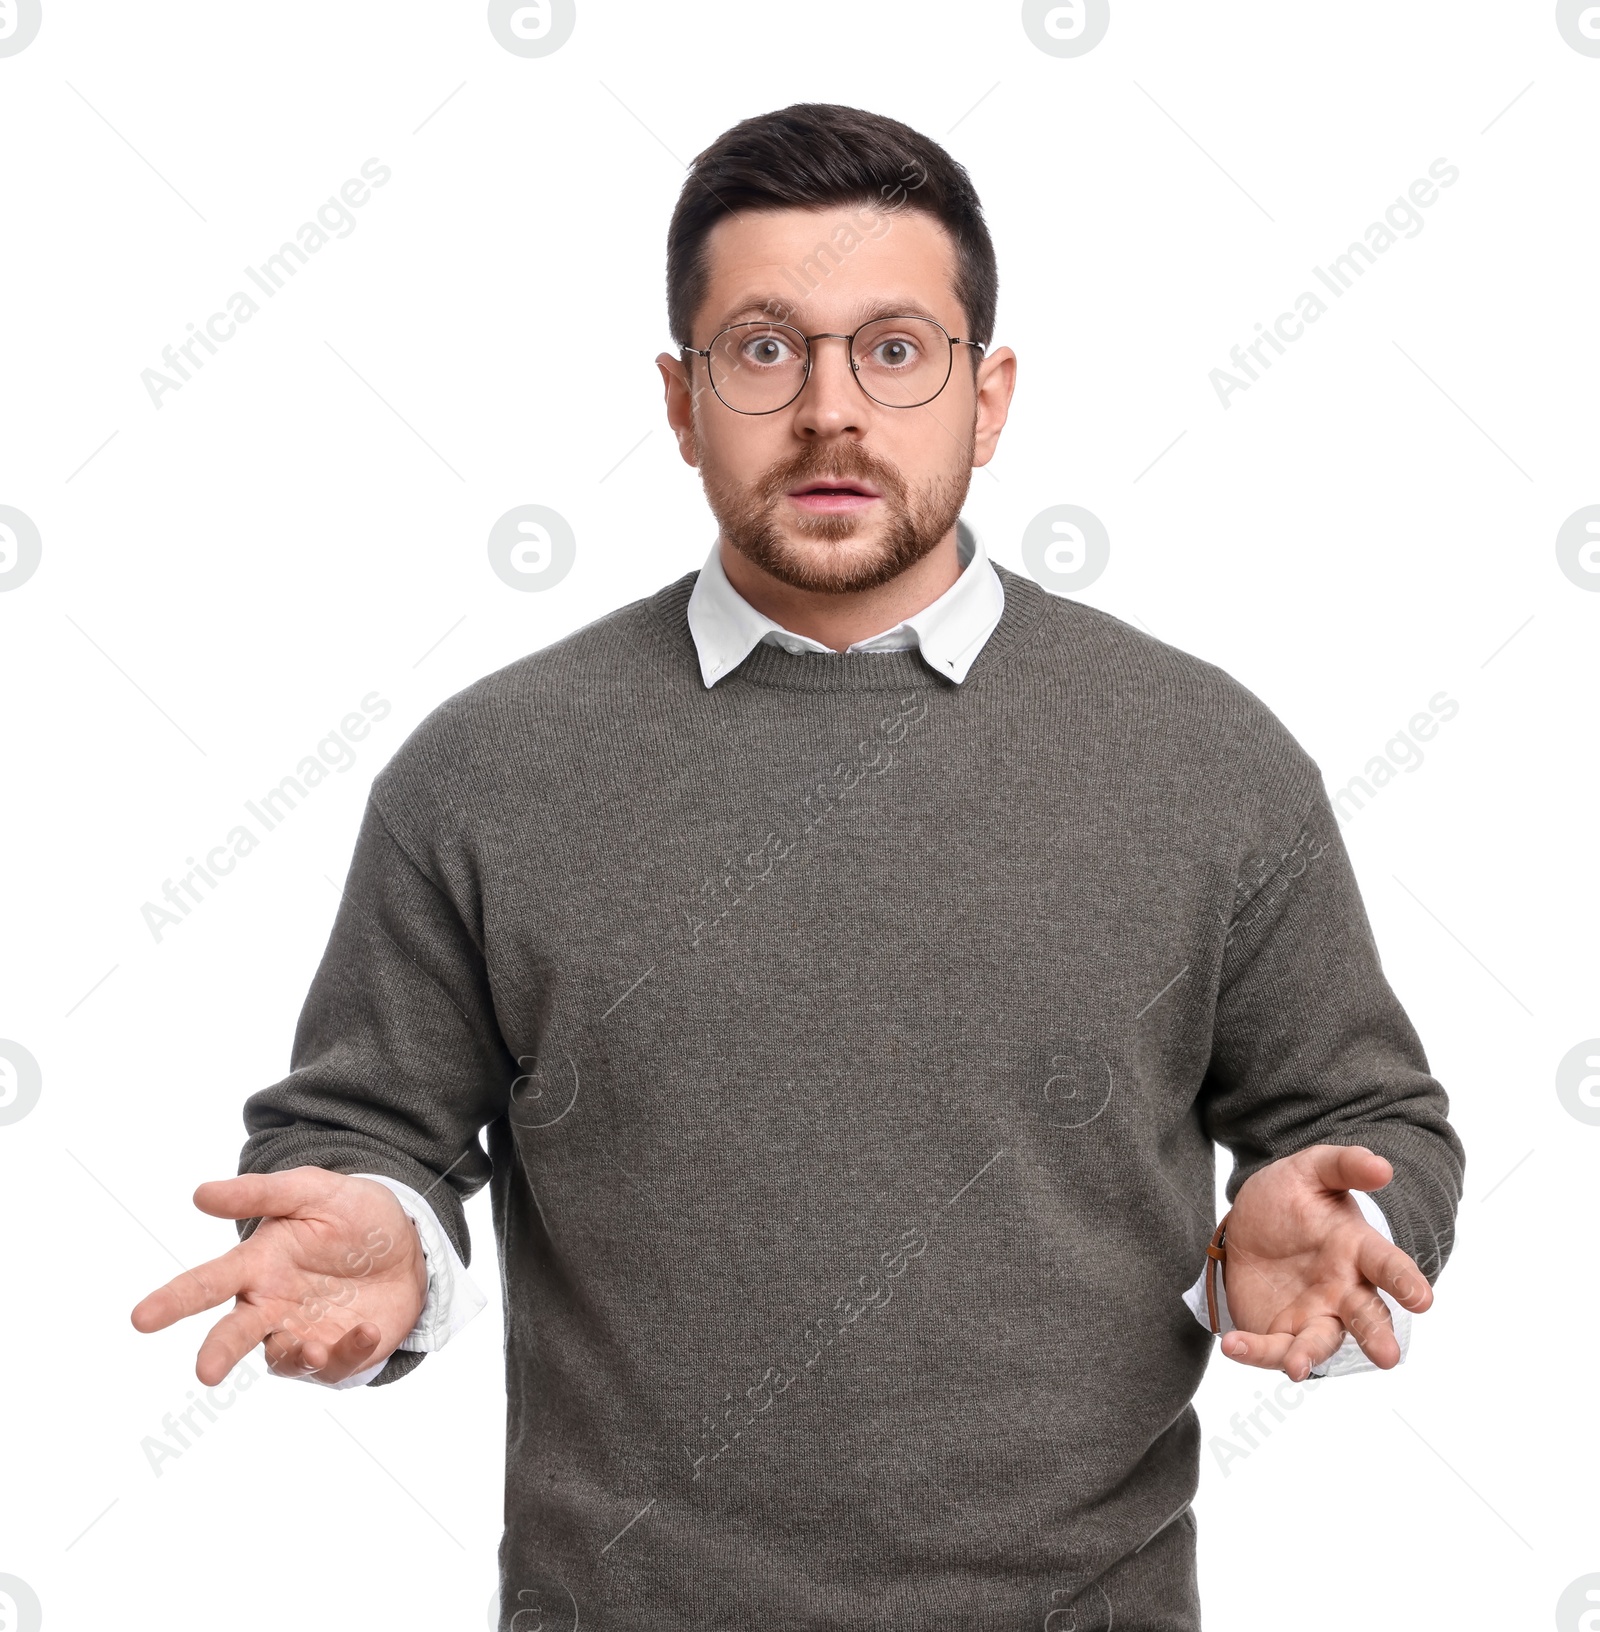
[814, 154]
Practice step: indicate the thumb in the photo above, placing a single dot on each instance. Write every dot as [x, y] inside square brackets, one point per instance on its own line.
[1349, 1167]
[265, 1195]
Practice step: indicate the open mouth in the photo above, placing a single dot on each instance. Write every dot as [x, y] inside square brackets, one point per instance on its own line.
[833, 494]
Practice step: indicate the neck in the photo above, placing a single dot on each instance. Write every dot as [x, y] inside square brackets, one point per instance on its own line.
[839, 620]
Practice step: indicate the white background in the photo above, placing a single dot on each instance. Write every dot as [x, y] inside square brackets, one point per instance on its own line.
[304, 522]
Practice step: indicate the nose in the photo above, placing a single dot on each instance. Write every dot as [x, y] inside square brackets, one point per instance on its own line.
[831, 402]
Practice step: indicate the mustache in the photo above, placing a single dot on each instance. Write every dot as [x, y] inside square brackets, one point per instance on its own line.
[858, 465]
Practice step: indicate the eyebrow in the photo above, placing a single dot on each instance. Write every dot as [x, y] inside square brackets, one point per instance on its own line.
[894, 306]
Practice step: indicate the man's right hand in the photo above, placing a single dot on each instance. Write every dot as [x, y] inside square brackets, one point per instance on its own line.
[332, 1279]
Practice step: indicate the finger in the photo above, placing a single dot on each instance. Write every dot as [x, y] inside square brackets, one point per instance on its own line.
[1293, 1353]
[264, 1195]
[1349, 1167]
[1263, 1349]
[354, 1352]
[328, 1360]
[1366, 1317]
[1315, 1342]
[1385, 1265]
[286, 1355]
[229, 1341]
[187, 1294]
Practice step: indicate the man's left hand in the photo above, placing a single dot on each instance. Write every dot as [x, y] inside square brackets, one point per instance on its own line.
[1303, 1266]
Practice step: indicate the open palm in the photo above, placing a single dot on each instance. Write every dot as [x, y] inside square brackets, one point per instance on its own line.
[331, 1280]
[1303, 1266]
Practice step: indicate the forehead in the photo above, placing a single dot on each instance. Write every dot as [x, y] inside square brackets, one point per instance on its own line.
[829, 269]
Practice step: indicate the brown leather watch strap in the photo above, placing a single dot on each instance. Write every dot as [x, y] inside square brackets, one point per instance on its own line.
[1216, 1253]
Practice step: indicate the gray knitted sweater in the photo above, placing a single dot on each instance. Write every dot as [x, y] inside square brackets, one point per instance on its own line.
[850, 1047]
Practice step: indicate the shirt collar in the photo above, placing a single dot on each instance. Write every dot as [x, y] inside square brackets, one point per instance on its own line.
[948, 632]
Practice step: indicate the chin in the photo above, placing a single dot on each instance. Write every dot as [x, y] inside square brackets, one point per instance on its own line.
[835, 536]
[838, 566]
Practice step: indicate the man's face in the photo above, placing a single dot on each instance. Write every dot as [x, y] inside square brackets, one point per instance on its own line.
[835, 493]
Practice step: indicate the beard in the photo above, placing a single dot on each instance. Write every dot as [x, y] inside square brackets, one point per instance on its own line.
[831, 555]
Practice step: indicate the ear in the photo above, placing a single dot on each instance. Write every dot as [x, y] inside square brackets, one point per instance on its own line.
[997, 379]
[680, 403]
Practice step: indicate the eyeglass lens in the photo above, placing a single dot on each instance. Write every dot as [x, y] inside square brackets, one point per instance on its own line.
[901, 362]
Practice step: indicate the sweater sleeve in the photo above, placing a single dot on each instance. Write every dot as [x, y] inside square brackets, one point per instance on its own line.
[398, 1060]
[1311, 1046]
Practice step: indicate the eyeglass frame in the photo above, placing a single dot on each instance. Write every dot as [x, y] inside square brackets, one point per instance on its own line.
[855, 367]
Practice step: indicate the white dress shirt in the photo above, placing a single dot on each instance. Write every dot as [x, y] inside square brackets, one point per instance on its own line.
[948, 633]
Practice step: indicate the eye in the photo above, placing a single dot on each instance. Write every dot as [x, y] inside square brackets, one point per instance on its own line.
[766, 350]
[895, 351]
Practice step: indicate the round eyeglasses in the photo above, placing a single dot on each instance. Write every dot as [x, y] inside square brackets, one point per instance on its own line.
[900, 362]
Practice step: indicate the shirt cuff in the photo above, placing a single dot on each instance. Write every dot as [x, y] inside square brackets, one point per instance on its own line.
[1348, 1356]
[453, 1297]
